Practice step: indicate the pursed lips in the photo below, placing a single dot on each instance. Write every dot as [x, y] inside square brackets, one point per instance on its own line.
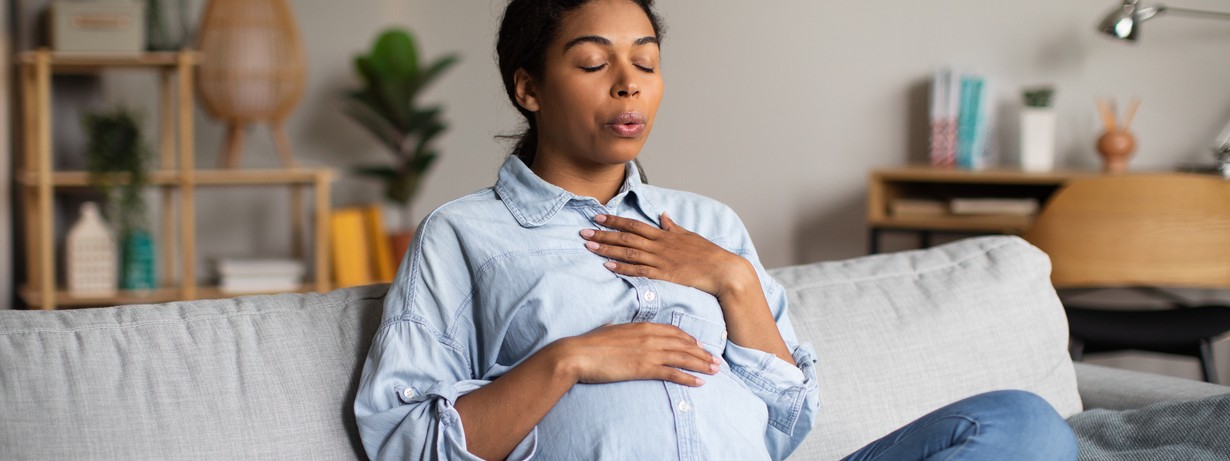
[627, 124]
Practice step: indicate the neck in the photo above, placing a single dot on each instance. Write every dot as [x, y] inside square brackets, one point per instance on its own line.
[600, 181]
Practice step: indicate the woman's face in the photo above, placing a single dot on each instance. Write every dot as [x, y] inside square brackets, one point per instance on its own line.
[596, 103]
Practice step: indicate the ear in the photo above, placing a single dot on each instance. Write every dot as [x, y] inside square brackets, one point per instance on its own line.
[527, 91]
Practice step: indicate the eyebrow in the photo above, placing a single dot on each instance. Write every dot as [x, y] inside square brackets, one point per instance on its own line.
[605, 42]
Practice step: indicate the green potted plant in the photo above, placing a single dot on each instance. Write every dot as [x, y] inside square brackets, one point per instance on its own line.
[117, 161]
[387, 106]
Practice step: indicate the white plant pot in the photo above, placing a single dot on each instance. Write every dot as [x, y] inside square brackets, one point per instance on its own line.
[1037, 139]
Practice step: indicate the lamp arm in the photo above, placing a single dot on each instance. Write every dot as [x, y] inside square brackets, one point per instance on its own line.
[1222, 143]
[1190, 12]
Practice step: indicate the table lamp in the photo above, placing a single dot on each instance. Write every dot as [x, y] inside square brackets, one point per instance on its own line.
[1123, 22]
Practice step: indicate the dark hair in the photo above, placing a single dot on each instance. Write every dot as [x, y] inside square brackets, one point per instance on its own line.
[526, 31]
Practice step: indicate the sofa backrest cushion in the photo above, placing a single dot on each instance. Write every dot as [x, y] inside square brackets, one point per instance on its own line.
[899, 335]
[260, 377]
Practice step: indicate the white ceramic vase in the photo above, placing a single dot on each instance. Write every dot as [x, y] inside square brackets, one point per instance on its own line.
[1037, 139]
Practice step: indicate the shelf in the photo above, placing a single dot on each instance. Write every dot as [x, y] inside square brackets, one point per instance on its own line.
[925, 174]
[1007, 224]
[199, 177]
[161, 295]
[885, 186]
[83, 62]
[178, 179]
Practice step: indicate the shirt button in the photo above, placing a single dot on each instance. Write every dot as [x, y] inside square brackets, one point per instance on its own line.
[408, 393]
[650, 296]
[723, 335]
[684, 406]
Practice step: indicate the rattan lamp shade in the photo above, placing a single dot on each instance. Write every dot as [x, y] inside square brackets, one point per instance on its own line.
[252, 68]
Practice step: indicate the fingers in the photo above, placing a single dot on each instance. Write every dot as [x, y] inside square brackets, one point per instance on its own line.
[623, 246]
[668, 224]
[628, 225]
[634, 351]
[622, 239]
[677, 376]
[633, 270]
[680, 349]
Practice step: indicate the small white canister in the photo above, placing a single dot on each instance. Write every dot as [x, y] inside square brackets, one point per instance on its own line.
[1037, 138]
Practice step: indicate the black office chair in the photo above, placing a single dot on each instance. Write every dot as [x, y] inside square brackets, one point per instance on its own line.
[1148, 232]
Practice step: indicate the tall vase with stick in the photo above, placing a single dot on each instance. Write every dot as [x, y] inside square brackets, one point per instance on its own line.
[1117, 143]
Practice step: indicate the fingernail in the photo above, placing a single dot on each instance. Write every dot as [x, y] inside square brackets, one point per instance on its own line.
[591, 245]
[587, 233]
[600, 218]
[700, 382]
[716, 360]
[609, 265]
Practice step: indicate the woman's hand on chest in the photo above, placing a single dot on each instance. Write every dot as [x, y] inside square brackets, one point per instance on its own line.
[672, 253]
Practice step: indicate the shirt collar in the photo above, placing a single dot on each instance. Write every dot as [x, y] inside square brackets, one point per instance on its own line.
[533, 201]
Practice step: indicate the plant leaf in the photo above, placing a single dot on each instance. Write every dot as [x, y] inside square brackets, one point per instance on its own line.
[398, 55]
[431, 73]
[376, 125]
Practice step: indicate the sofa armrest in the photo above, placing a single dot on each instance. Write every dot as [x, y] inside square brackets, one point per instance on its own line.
[1119, 389]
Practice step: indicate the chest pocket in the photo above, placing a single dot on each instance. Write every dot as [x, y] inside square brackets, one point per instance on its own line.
[711, 334]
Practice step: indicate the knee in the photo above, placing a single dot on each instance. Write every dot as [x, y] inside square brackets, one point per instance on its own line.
[1031, 422]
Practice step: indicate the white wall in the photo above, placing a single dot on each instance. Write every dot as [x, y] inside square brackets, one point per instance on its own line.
[779, 108]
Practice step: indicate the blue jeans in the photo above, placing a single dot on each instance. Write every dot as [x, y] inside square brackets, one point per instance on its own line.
[999, 425]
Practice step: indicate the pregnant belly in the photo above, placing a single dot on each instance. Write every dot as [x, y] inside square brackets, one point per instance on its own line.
[637, 420]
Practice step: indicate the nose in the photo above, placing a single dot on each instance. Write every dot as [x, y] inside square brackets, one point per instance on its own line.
[625, 85]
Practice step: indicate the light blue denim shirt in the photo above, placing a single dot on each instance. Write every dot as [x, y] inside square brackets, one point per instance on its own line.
[495, 276]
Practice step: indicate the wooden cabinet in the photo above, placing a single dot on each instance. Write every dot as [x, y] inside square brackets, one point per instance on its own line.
[176, 177]
[887, 186]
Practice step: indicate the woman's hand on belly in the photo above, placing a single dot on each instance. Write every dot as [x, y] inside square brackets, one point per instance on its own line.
[636, 351]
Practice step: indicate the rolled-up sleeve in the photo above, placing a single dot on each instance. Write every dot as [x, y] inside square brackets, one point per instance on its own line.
[404, 406]
[790, 390]
[421, 362]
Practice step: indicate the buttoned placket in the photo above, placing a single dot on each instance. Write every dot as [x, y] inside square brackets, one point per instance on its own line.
[648, 305]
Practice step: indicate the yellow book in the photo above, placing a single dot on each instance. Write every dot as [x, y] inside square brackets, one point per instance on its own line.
[378, 244]
[351, 264]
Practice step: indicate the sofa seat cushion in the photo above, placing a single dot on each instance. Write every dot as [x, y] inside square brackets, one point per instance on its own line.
[260, 377]
[1188, 430]
[899, 335]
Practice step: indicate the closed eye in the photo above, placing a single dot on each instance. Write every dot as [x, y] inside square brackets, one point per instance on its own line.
[646, 69]
[593, 68]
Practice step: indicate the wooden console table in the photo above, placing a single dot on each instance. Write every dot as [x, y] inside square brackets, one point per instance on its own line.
[926, 183]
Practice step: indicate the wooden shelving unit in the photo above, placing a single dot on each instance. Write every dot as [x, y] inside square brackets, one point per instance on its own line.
[176, 176]
[921, 182]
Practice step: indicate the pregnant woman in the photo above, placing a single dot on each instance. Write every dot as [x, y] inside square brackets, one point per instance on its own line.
[574, 312]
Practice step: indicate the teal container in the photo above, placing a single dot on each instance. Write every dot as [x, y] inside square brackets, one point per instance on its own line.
[138, 263]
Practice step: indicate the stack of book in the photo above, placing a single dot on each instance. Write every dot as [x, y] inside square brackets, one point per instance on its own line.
[994, 206]
[361, 252]
[238, 276]
[961, 120]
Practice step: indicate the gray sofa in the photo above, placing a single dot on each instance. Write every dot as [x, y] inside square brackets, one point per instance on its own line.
[272, 377]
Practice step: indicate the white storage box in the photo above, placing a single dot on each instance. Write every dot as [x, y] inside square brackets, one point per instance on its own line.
[98, 26]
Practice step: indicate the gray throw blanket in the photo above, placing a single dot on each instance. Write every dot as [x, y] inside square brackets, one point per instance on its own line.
[1195, 430]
